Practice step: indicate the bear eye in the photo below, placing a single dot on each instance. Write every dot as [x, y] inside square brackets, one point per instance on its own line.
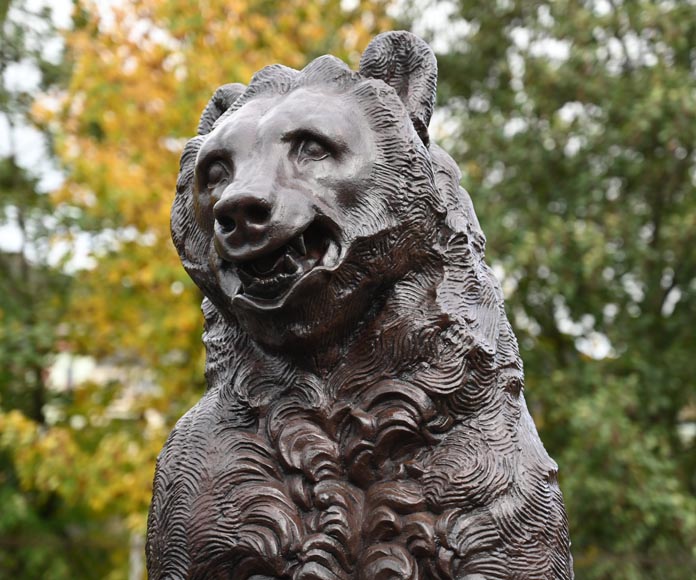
[312, 150]
[216, 174]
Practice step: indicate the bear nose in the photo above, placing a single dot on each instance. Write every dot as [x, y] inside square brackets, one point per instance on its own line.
[242, 221]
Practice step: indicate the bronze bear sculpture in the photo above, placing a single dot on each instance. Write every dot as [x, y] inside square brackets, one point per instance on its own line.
[364, 416]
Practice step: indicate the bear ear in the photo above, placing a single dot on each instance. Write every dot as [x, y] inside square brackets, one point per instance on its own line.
[407, 64]
[222, 100]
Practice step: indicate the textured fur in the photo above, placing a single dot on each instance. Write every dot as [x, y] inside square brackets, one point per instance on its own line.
[396, 445]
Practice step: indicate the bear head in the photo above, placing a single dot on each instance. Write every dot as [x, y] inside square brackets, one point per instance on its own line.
[308, 193]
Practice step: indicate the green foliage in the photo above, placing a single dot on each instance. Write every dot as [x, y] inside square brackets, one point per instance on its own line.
[39, 529]
[573, 122]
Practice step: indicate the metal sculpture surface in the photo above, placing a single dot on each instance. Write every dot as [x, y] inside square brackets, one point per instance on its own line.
[364, 416]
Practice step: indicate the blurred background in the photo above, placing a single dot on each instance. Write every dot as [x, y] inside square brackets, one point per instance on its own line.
[574, 123]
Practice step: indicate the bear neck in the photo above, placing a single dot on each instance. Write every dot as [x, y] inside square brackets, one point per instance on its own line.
[390, 333]
[401, 334]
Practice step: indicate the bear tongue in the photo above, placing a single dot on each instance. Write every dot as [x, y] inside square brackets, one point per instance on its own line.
[274, 264]
[269, 264]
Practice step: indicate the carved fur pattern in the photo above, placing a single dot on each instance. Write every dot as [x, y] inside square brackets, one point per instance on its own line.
[400, 449]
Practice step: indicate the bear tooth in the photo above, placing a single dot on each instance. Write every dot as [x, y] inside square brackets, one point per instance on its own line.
[290, 264]
[229, 283]
[331, 255]
[298, 244]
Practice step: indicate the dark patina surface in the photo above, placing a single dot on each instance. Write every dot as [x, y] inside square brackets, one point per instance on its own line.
[365, 415]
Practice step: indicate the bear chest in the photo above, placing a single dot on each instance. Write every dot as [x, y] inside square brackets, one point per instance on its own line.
[302, 494]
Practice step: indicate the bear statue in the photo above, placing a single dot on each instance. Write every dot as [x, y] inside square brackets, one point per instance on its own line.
[364, 417]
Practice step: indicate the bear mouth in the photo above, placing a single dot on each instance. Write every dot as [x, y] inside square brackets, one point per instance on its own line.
[267, 279]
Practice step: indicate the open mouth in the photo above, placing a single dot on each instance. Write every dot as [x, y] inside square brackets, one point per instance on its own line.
[269, 277]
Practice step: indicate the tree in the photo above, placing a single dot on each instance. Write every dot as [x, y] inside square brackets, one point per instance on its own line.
[29, 314]
[573, 122]
[35, 522]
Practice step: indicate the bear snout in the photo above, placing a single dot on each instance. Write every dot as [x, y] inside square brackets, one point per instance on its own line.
[242, 224]
[251, 224]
